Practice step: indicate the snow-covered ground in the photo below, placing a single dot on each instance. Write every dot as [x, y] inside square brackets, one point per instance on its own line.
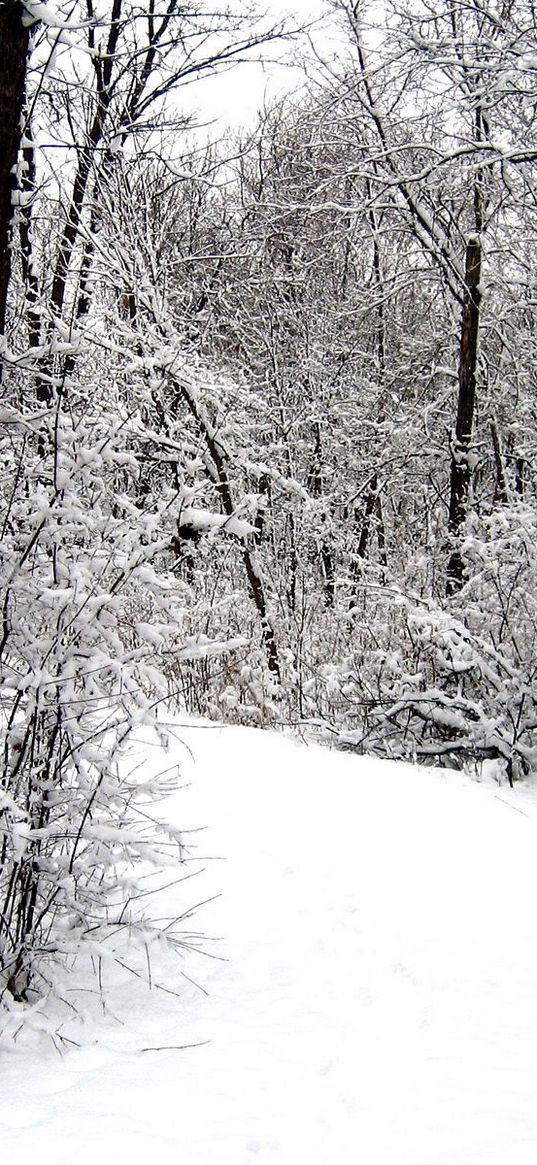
[375, 996]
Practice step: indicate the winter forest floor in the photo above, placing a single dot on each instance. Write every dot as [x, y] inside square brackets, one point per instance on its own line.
[374, 998]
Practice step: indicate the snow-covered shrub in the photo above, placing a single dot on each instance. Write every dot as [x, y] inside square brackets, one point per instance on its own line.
[78, 559]
[452, 679]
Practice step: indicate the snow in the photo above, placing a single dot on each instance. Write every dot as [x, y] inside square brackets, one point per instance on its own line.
[36, 12]
[205, 520]
[373, 998]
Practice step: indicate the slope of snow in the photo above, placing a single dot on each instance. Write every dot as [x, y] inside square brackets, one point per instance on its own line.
[374, 998]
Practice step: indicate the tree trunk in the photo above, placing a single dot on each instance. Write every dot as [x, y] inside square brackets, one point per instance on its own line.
[316, 488]
[372, 521]
[14, 38]
[501, 491]
[31, 280]
[461, 469]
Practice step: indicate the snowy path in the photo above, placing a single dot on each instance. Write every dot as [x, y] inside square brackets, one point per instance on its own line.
[378, 1004]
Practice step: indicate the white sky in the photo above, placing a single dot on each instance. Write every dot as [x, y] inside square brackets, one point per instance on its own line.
[235, 96]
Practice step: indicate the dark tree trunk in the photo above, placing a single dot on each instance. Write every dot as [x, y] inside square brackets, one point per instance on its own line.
[14, 38]
[30, 277]
[501, 492]
[316, 487]
[519, 476]
[372, 522]
[461, 471]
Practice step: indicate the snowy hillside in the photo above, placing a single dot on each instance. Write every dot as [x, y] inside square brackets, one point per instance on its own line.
[375, 995]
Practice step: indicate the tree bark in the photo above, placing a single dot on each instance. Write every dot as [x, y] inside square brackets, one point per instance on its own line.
[14, 39]
[501, 492]
[372, 522]
[461, 471]
[316, 487]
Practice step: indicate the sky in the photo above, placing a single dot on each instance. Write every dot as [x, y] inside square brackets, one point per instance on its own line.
[234, 97]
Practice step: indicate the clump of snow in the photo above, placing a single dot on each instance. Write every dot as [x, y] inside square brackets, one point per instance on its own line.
[368, 993]
[204, 521]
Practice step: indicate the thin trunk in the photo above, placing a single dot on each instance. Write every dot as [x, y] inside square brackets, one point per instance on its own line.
[461, 471]
[370, 504]
[461, 468]
[25, 229]
[381, 536]
[292, 569]
[316, 486]
[501, 492]
[372, 521]
[14, 41]
[519, 476]
[329, 576]
[293, 565]
[377, 272]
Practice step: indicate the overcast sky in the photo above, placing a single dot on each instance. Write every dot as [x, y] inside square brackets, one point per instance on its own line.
[235, 96]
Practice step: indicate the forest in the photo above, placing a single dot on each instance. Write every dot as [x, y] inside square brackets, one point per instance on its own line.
[268, 416]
